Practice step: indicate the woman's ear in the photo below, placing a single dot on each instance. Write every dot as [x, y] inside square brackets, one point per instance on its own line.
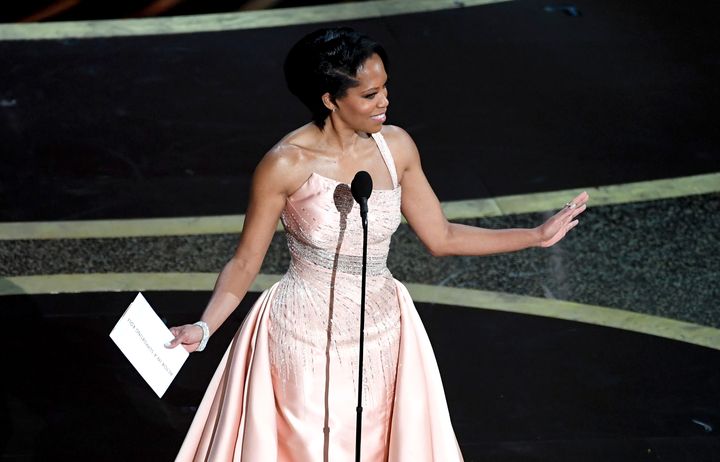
[328, 102]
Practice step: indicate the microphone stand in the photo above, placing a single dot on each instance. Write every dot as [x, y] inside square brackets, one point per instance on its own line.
[361, 188]
[358, 425]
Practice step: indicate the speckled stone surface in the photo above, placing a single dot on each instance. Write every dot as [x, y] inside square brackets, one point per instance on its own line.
[658, 257]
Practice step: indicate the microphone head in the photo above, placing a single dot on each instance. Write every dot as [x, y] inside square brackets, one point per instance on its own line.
[361, 186]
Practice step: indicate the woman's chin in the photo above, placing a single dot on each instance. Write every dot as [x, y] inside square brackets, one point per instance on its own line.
[375, 128]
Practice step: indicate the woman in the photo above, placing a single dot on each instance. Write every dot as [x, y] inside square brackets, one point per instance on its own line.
[286, 388]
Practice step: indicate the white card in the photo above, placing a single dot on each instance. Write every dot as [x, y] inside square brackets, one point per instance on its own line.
[141, 336]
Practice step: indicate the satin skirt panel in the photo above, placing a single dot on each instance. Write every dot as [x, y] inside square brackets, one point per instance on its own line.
[421, 430]
[248, 415]
[236, 418]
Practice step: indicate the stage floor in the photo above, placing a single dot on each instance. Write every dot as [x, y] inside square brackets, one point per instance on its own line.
[519, 387]
[127, 161]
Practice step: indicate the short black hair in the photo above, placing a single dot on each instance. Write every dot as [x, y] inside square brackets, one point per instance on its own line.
[327, 60]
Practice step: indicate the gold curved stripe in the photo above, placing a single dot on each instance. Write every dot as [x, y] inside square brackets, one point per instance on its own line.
[454, 210]
[229, 21]
[472, 298]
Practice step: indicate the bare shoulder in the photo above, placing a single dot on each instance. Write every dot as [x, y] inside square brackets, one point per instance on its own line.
[402, 146]
[397, 136]
[283, 165]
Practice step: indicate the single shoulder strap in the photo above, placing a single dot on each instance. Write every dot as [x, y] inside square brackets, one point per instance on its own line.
[387, 157]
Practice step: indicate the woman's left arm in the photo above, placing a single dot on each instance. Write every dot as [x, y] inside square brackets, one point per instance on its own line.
[421, 208]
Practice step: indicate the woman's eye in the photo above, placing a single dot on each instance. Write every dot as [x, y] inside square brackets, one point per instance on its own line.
[372, 95]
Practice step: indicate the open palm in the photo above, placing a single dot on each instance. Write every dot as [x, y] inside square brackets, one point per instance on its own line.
[558, 225]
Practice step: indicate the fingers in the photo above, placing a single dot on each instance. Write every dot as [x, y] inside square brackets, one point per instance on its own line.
[565, 220]
[578, 211]
[579, 200]
[188, 336]
[561, 233]
[575, 207]
[173, 343]
[569, 213]
[179, 333]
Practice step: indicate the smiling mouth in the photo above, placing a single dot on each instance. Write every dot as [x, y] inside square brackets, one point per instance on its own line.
[380, 117]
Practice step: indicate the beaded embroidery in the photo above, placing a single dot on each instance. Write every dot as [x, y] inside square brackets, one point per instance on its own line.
[316, 310]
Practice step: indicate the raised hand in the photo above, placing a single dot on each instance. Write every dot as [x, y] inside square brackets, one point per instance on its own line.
[558, 225]
[189, 336]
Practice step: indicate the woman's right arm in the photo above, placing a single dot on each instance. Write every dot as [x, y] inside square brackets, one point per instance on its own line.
[267, 199]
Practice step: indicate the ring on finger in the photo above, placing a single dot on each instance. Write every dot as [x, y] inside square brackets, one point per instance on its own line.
[572, 205]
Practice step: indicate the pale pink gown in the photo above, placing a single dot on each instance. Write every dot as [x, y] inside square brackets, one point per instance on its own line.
[286, 389]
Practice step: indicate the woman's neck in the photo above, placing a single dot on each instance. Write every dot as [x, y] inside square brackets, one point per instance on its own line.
[340, 138]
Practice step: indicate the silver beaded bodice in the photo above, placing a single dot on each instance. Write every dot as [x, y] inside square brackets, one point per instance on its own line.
[316, 310]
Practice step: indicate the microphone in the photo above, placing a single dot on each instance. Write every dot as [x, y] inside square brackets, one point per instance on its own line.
[361, 188]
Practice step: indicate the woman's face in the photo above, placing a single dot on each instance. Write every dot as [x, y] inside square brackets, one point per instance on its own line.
[363, 107]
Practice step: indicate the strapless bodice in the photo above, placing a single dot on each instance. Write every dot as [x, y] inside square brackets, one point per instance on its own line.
[324, 229]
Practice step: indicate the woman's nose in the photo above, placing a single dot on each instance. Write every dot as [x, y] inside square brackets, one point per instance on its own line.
[384, 101]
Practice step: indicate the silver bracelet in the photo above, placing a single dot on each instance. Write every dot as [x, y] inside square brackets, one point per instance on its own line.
[206, 334]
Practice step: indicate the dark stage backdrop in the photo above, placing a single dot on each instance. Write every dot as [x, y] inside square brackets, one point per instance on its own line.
[501, 99]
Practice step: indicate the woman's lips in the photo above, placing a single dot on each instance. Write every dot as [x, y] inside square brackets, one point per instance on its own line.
[379, 118]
